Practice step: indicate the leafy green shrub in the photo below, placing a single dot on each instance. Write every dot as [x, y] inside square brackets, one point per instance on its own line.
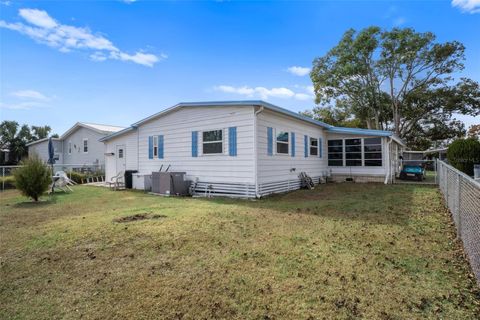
[77, 176]
[80, 177]
[33, 178]
[463, 154]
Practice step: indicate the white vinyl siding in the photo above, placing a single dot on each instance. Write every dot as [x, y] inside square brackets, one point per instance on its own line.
[85, 147]
[275, 168]
[177, 127]
[41, 149]
[129, 140]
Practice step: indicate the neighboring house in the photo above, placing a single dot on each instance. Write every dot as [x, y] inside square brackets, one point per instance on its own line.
[77, 147]
[248, 148]
[40, 148]
[4, 156]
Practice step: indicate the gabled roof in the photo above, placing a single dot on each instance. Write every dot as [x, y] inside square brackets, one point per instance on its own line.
[116, 134]
[100, 128]
[41, 140]
[244, 103]
[260, 103]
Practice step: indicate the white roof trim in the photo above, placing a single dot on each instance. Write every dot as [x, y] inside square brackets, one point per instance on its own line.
[91, 126]
[41, 140]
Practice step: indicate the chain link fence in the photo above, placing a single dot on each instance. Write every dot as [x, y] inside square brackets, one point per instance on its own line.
[462, 195]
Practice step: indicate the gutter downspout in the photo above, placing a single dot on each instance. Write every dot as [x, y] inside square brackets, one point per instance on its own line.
[387, 158]
[255, 148]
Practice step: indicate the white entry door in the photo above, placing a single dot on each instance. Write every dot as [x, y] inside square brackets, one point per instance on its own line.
[120, 158]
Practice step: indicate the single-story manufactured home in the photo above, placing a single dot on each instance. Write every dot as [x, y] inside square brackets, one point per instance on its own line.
[79, 146]
[248, 149]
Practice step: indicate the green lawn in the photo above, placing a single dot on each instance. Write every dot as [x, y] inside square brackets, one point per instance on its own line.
[342, 251]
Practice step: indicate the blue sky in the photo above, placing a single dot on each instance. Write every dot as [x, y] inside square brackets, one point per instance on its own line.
[116, 62]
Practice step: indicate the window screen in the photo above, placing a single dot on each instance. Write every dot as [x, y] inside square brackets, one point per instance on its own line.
[372, 148]
[282, 142]
[335, 152]
[212, 141]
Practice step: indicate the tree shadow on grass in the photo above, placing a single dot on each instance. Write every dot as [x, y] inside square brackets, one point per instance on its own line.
[30, 204]
[371, 203]
[45, 200]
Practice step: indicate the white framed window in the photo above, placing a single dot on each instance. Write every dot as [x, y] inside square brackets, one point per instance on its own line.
[313, 146]
[69, 147]
[353, 152]
[155, 146]
[372, 148]
[283, 142]
[85, 145]
[212, 142]
[335, 153]
[120, 153]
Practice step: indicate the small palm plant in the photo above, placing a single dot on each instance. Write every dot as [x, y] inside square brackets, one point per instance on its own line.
[33, 177]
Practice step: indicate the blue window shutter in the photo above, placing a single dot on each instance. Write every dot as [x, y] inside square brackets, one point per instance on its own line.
[150, 147]
[270, 141]
[232, 141]
[293, 144]
[305, 147]
[194, 143]
[320, 147]
[160, 147]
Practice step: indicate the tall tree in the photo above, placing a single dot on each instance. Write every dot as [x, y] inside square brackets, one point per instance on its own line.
[14, 138]
[341, 115]
[399, 80]
[40, 132]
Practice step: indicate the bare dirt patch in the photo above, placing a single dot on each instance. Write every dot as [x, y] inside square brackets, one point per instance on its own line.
[138, 217]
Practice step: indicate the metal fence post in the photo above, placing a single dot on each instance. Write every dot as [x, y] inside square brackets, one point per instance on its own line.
[3, 178]
[459, 211]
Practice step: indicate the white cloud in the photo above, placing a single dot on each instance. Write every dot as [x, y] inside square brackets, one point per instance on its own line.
[26, 100]
[26, 105]
[303, 96]
[299, 71]
[39, 18]
[470, 6]
[45, 30]
[30, 94]
[246, 91]
[264, 93]
[129, 1]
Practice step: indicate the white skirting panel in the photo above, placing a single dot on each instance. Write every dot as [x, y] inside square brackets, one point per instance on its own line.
[232, 190]
[282, 186]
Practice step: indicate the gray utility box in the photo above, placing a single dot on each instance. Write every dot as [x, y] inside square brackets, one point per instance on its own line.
[170, 183]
